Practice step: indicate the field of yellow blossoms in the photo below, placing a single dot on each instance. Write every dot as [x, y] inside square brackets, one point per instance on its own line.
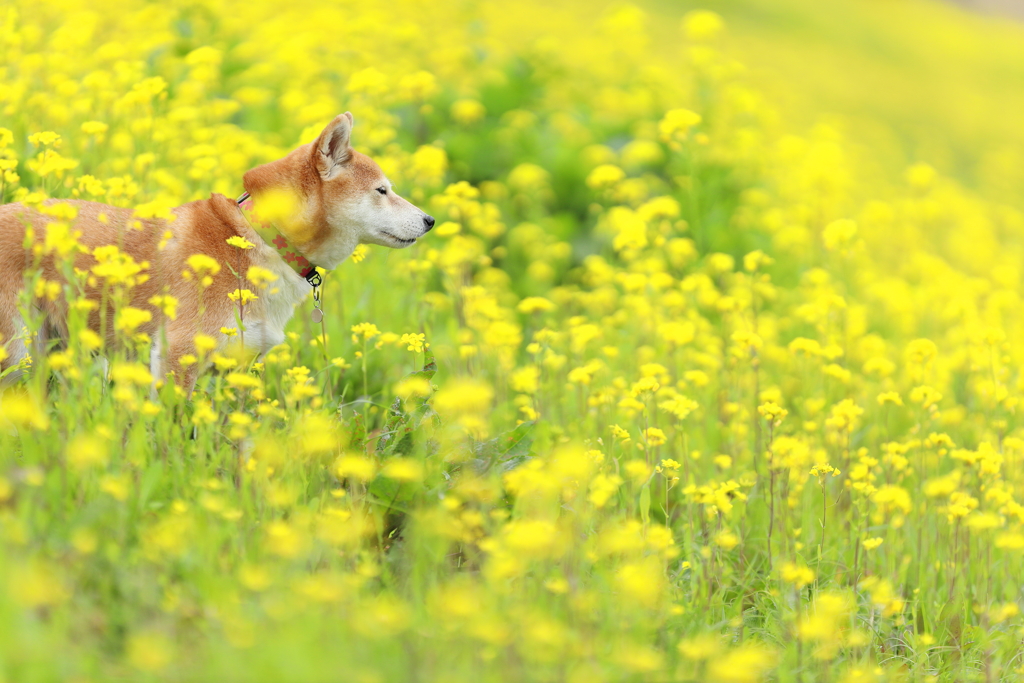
[672, 392]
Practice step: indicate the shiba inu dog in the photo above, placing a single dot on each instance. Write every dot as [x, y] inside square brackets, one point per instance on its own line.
[341, 199]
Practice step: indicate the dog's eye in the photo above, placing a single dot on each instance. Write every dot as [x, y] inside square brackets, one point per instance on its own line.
[382, 189]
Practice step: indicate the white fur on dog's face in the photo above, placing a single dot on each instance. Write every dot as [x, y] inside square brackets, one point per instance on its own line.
[380, 216]
[357, 202]
[362, 214]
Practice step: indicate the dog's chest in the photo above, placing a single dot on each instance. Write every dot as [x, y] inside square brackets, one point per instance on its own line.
[265, 323]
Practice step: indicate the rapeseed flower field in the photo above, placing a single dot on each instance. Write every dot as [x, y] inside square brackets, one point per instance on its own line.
[672, 392]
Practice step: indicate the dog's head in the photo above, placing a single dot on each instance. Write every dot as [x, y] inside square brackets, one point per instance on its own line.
[343, 198]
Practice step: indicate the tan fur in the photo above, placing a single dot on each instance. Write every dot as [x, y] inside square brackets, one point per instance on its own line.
[341, 207]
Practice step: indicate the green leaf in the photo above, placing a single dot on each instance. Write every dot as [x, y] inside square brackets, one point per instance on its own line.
[391, 494]
[358, 434]
[149, 481]
[645, 504]
[508, 450]
[429, 366]
[511, 444]
[428, 371]
[392, 427]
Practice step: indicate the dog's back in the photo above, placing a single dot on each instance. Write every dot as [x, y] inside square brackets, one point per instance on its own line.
[149, 242]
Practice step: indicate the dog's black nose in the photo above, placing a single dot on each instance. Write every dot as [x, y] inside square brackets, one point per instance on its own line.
[429, 220]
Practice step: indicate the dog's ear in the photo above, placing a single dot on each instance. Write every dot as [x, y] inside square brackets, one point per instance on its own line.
[331, 150]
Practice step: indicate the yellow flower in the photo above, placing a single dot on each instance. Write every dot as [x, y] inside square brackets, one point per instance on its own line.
[117, 267]
[744, 664]
[87, 450]
[365, 331]
[202, 264]
[150, 652]
[844, 416]
[403, 469]
[619, 433]
[45, 138]
[1000, 613]
[826, 622]
[701, 647]
[535, 304]
[528, 177]
[605, 176]
[637, 470]
[240, 242]
[360, 253]
[796, 574]
[1010, 541]
[243, 381]
[204, 343]
[772, 413]
[890, 397]
[756, 260]
[428, 165]
[883, 596]
[981, 521]
[702, 25]
[95, 128]
[369, 81]
[223, 363]
[259, 276]
[677, 123]
[129, 319]
[921, 351]
[893, 498]
[925, 395]
[642, 582]
[921, 176]
[467, 111]
[61, 239]
[413, 387]
[117, 486]
[839, 235]
[61, 360]
[131, 373]
[872, 543]
[90, 340]
[84, 540]
[654, 436]
[602, 488]
[464, 396]
[356, 467]
[22, 410]
[36, 585]
[726, 540]
[167, 304]
[414, 342]
[822, 470]
[447, 229]
[242, 296]
[679, 406]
